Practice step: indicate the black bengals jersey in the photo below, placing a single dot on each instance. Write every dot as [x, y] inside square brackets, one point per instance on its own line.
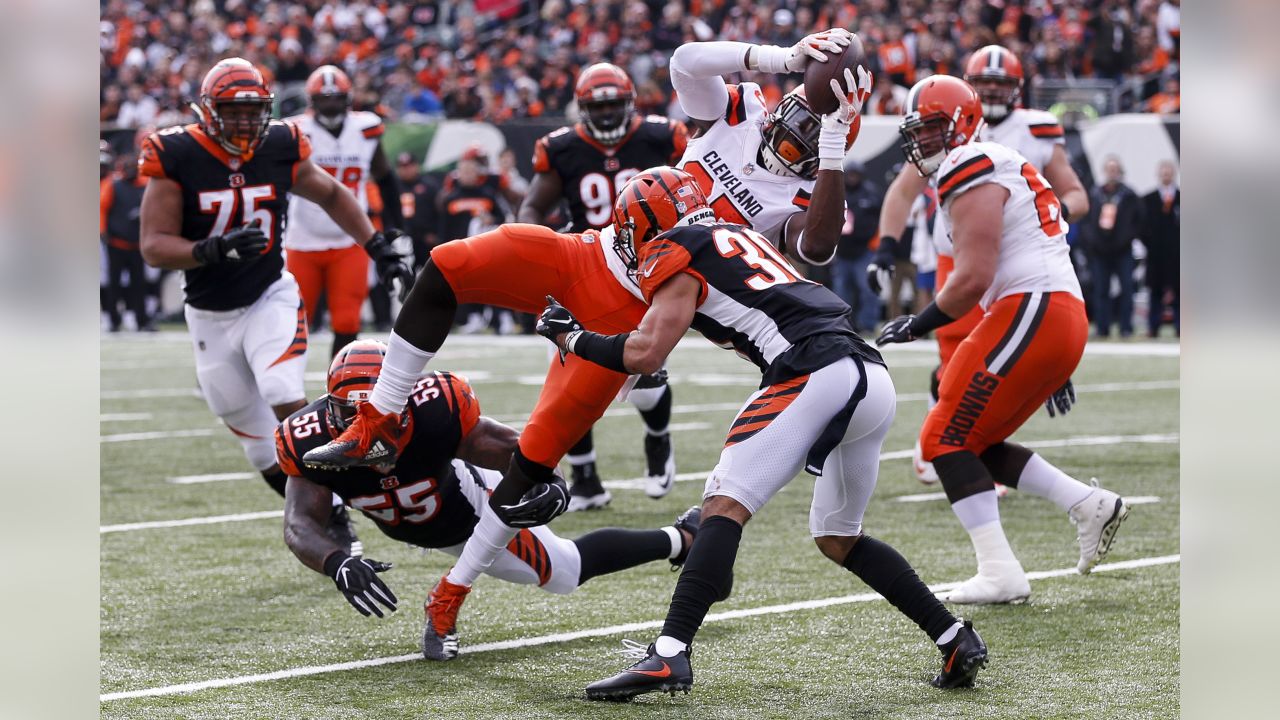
[419, 500]
[753, 301]
[221, 192]
[592, 174]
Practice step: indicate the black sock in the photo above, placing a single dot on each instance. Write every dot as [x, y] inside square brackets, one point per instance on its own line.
[521, 475]
[1006, 461]
[888, 573]
[585, 446]
[706, 577]
[341, 340]
[962, 474]
[276, 480]
[935, 380]
[658, 417]
[427, 315]
[609, 550]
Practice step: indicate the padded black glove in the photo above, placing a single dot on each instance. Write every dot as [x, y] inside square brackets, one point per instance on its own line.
[542, 504]
[897, 330]
[357, 579]
[1061, 400]
[553, 321]
[390, 264]
[240, 245]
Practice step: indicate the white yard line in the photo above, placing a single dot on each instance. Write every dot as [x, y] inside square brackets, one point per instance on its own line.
[212, 477]
[124, 417]
[156, 435]
[931, 496]
[556, 638]
[210, 520]
[626, 484]
[149, 393]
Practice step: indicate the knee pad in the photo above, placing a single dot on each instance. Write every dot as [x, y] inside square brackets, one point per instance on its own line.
[646, 398]
[283, 384]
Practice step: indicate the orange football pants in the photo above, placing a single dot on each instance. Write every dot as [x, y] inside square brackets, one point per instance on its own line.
[342, 274]
[517, 266]
[1024, 349]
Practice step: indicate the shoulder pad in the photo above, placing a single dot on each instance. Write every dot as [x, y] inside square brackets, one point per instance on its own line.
[964, 167]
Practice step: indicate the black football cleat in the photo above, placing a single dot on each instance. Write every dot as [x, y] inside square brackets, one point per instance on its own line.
[962, 658]
[651, 673]
[342, 530]
[690, 520]
[587, 491]
[660, 465]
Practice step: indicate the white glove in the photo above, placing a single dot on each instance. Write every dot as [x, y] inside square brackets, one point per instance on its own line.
[835, 125]
[773, 59]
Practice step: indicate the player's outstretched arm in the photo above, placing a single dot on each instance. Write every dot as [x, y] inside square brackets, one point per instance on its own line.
[389, 186]
[490, 444]
[902, 192]
[1066, 184]
[334, 198]
[977, 219]
[643, 351]
[307, 506]
[159, 238]
[544, 192]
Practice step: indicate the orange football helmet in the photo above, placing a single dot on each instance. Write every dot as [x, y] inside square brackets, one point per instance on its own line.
[791, 137]
[329, 90]
[606, 101]
[235, 105]
[351, 377]
[652, 202]
[996, 74]
[942, 113]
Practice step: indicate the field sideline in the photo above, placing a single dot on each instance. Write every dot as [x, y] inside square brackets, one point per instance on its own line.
[205, 613]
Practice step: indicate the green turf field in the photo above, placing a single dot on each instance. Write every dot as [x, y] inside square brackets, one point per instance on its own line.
[226, 600]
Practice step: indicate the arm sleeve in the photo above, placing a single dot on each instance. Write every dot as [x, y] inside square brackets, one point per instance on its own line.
[696, 70]
[389, 186]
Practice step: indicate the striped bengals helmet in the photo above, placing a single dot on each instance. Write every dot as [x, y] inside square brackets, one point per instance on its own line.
[943, 113]
[235, 82]
[351, 377]
[329, 90]
[995, 73]
[652, 202]
[606, 100]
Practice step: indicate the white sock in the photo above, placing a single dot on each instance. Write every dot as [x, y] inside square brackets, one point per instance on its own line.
[977, 510]
[488, 539]
[950, 634]
[677, 541]
[583, 459]
[1041, 479]
[400, 372]
[668, 646]
[991, 545]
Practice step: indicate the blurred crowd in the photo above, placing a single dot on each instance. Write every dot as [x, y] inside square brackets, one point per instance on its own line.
[499, 60]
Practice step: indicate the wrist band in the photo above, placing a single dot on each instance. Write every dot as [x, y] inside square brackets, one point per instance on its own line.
[929, 319]
[603, 350]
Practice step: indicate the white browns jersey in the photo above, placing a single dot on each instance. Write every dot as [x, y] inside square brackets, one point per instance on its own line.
[723, 160]
[347, 157]
[1032, 133]
[1034, 256]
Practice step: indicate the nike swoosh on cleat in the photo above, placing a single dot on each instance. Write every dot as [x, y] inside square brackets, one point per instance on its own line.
[951, 660]
[664, 672]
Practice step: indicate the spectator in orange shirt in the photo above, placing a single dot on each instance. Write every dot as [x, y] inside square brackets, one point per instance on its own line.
[1169, 101]
[896, 61]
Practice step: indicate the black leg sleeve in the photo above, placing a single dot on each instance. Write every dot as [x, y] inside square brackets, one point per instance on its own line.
[609, 550]
[962, 474]
[427, 315]
[1005, 461]
[340, 340]
[888, 573]
[276, 480]
[706, 577]
[658, 417]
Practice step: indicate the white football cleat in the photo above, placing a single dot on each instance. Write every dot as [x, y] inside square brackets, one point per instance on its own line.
[1097, 518]
[924, 470]
[996, 582]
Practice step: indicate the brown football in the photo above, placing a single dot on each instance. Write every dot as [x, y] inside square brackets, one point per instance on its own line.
[818, 76]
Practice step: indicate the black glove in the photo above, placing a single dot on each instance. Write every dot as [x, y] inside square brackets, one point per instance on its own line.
[544, 503]
[881, 262]
[357, 579]
[553, 321]
[1061, 400]
[240, 245]
[390, 264]
[897, 330]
